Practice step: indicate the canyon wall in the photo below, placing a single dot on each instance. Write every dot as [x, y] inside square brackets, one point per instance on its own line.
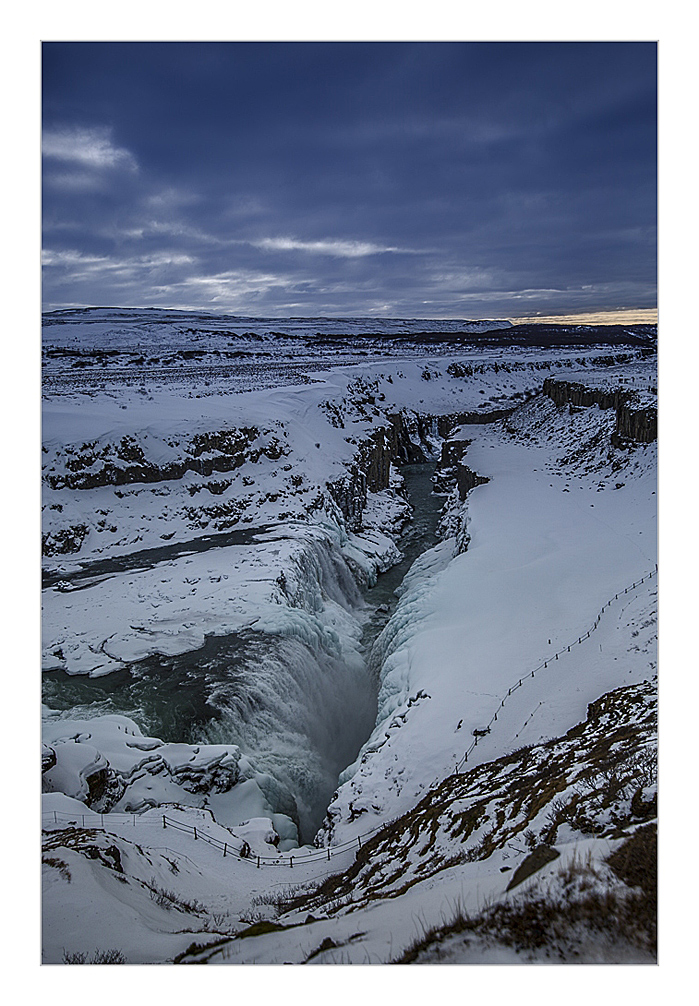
[409, 438]
[636, 419]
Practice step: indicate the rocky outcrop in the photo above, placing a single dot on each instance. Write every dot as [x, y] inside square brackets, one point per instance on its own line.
[369, 472]
[574, 393]
[78, 769]
[107, 761]
[452, 470]
[48, 758]
[446, 424]
[65, 541]
[412, 435]
[409, 438]
[636, 420]
[90, 465]
[452, 452]
[218, 775]
[635, 423]
[467, 480]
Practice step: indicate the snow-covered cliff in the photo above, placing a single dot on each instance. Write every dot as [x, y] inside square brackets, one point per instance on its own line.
[209, 643]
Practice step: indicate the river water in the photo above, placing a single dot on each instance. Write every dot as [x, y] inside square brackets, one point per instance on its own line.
[420, 535]
[301, 717]
[90, 572]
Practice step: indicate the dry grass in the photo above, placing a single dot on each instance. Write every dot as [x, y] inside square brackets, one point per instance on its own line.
[595, 780]
[579, 910]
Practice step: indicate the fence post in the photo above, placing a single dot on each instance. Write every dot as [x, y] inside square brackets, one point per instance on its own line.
[328, 853]
[224, 849]
[55, 821]
[83, 817]
[359, 841]
[258, 862]
[195, 833]
[291, 862]
[164, 825]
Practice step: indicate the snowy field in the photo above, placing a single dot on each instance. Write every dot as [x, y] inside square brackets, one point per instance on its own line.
[224, 656]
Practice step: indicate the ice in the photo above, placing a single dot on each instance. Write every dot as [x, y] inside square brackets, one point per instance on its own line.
[259, 641]
[539, 565]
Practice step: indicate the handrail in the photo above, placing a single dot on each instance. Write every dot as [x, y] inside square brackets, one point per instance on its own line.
[287, 859]
[199, 835]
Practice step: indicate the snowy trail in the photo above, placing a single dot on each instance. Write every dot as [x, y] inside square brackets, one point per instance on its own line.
[294, 866]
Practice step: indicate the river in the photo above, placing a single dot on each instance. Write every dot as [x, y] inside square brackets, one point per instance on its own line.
[300, 716]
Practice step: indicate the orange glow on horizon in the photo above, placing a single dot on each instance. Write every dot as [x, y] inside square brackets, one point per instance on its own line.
[626, 316]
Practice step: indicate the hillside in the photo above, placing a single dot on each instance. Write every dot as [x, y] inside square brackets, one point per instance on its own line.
[256, 751]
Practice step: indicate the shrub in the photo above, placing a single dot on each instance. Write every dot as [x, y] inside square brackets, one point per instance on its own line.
[99, 957]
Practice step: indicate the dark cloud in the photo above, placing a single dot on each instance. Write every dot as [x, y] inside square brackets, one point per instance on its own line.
[340, 178]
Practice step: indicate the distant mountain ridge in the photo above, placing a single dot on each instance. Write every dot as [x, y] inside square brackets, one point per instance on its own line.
[352, 324]
[120, 327]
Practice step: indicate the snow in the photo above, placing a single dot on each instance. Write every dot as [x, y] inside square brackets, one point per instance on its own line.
[307, 718]
[540, 564]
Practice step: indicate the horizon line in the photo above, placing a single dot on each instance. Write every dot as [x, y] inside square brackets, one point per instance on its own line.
[603, 317]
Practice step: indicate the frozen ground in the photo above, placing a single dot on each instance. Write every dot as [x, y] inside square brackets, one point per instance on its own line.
[208, 550]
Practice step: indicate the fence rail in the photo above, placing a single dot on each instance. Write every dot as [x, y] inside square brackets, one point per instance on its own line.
[242, 852]
[545, 663]
[239, 850]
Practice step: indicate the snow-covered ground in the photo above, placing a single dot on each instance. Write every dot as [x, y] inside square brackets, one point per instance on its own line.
[549, 546]
[208, 548]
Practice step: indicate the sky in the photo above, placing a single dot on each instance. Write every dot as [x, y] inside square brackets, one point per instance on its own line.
[433, 180]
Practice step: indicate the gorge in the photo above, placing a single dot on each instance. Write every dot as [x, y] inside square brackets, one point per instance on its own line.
[260, 617]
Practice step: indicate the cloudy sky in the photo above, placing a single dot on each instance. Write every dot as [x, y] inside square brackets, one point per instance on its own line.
[406, 179]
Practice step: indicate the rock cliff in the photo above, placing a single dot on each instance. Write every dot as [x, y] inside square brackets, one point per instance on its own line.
[636, 418]
[408, 438]
[92, 465]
